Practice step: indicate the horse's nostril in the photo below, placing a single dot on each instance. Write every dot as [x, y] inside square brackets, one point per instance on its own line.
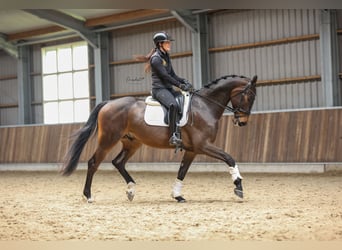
[241, 124]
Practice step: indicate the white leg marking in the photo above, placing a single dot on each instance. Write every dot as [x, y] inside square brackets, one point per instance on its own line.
[177, 188]
[234, 171]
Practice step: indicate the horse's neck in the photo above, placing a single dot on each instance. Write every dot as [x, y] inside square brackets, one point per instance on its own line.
[222, 92]
[217, 99]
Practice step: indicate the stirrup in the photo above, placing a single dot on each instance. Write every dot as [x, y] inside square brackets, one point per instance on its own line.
[175, 140]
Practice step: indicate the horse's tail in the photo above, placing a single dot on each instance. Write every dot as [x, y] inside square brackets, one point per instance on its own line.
[82, 136]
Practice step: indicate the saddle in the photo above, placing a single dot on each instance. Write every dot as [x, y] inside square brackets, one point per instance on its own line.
[157, 115]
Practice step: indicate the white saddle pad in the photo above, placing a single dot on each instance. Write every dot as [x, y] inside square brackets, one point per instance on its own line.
[154, 113]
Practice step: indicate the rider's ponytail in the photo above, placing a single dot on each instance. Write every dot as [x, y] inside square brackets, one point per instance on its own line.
[146, 59]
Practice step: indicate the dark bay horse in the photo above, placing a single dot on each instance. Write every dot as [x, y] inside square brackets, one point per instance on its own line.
[123, 120]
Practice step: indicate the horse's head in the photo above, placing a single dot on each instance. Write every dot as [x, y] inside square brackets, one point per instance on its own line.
[242, 99]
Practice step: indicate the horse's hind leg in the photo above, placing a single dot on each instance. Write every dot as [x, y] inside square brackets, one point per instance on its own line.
[105, 143]
[93, 165]
[129, 147]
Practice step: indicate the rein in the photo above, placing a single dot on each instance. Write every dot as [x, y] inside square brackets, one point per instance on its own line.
[227, 107]
[214, 102]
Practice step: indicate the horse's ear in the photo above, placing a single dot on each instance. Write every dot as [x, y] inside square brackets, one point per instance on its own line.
[254, 80]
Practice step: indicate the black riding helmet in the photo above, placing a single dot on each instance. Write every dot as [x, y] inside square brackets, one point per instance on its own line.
[161, 37]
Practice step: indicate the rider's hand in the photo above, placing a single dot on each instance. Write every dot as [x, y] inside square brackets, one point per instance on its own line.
[185, 87]
[186, 82]
[188, 85]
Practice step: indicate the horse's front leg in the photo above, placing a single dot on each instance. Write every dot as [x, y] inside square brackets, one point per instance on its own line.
[217, 153]
[183, 169]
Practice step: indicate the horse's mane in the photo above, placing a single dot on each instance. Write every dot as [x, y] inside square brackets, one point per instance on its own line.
[223, 77]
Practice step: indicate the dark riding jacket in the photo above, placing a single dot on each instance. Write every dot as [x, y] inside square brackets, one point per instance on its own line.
[163, 75]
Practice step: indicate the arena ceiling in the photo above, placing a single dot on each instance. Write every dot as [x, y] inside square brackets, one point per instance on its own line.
[30, 26]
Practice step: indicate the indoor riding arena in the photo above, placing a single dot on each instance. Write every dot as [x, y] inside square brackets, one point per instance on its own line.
[57, 65]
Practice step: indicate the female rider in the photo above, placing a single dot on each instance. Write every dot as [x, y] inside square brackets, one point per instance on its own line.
[163, 80]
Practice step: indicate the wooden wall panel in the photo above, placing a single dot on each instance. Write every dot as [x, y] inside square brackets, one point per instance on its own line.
[297, 136]
[303, 136]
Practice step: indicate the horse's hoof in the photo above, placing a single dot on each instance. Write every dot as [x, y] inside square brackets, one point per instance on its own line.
[90, 200]
[180, 199]
[130, 194]
[238, 192]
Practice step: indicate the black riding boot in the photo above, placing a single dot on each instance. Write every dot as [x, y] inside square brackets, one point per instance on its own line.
[175, 138]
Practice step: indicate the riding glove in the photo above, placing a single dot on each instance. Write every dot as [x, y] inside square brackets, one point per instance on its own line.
[188, 85]
[185, 87]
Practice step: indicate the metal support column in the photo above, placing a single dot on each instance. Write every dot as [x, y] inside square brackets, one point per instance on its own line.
[198, 25]
[101, 61]
[329, 58]
[24, 86]
[200, 47]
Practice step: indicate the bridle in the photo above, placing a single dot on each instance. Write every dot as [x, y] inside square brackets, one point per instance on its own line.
[238, 110]
[250, 94]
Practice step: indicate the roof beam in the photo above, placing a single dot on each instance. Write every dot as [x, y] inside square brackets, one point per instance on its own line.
[34, 33]
[186, 18]
[7, 46]
[125, 17]
[67, 22]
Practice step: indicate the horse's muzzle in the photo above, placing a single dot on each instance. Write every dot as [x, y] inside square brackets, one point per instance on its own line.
[238, 122]
[241, 124]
